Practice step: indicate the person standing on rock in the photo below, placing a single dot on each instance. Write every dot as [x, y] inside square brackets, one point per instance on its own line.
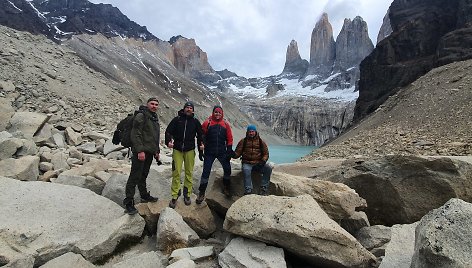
[145, 146]
[254, 154]
[218, 140]
[180, 135]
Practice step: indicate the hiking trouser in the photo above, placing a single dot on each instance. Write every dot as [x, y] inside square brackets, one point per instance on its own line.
[266, 171]
[138, 175]
[188, 159]
[208, 163]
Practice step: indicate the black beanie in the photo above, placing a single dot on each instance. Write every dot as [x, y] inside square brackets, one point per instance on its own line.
[189, 103]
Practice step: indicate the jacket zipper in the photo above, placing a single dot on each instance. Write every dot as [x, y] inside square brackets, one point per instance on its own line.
[185, 130]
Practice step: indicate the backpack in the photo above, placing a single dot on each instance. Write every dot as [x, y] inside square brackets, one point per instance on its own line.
[122, 133]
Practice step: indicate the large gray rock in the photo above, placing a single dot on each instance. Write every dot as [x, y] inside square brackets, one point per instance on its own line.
[45, 220]
[194, 254]
[444, 237]
[299, 225]
[400, 249]
[374, 238]
[173, 232]
[25, 168]
[68, 260]
[402, 189]
[87, 182]
[145, 260]
[6, 112]
[8, 147]
[27, 122]
[241, 252]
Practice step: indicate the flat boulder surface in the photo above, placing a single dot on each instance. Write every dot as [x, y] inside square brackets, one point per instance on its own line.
[45, 220]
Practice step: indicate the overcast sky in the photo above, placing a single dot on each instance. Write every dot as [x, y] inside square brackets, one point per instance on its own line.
[248, 37]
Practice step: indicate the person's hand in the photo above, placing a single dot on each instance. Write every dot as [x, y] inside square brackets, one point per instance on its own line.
[200, 155]
[230, 153]
[157, 156]
[201, 147]
[261, 164]
[141, 156]
[171, 144]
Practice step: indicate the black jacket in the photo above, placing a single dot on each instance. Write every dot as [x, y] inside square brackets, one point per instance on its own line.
[183, 129]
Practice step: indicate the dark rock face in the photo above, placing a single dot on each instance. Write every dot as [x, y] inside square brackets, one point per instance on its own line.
[293, 62]
[226, 73]
[323, 48]
[20, 15]
[352, 44]
[425, 35]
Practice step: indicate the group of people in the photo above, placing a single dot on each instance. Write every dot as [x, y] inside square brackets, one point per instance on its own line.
[214, 141]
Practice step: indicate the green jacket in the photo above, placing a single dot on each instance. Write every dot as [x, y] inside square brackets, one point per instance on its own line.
[145, 132]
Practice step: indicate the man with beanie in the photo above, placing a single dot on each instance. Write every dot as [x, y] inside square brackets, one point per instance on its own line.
[218, 139]
[254, 154]
[180, 135]
[145, 146]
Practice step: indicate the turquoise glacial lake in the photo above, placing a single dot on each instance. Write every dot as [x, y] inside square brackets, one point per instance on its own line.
[283, 154]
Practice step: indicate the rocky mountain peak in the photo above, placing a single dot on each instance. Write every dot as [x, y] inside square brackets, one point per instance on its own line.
[293, 62]
[352, 44]
[385, 29]
[322, 48]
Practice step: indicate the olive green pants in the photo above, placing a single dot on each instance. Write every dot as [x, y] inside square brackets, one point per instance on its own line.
[188, 160]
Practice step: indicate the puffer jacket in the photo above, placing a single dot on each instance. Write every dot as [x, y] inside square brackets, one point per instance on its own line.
[251, 152]
[145, 132]
[217, 136]
[183, 129]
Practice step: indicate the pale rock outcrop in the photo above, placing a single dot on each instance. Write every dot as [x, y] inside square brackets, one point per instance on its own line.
[173, 232]
[59, 140]
[87, 147]
[299, 225]
[72, 137]
[46, 220]
[386, 28]
[8, 147]
[59, 160]
[399, 250]
[444, 237]
[322, 48]
[198, 217]
[194, 254]
[242, 252]
[402, 189]
[87, 182]
[145, 260]
[27, 123]
[68, 260]
[44, 137]
[110, 147]
[24, 168]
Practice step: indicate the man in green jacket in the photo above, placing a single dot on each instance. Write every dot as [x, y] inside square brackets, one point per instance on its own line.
[145, 146]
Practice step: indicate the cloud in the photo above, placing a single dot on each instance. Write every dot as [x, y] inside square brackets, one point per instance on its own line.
[249, 37]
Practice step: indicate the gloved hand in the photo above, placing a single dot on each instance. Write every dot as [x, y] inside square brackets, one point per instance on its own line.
[229, 152]
[200, 155]
[261, 164]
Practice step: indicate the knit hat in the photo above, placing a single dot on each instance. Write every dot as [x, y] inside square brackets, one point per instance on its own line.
[251, 127]
[189, 103]
[218, 107]
[152, 99]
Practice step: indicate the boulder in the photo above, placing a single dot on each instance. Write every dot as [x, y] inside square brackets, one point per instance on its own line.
[400, 249]
[173, 232]
[241, 252]
[25, 168]
[8, 147]
[27, 122]
[194, 254]
[374, 238]
[67, 260]
[87, 182]
[185, 263]
[145, 260]
[444, 237]
[402, 189]
[72, 137]
[59, 160]
[45, 220]
[299, 225]
[6, 112]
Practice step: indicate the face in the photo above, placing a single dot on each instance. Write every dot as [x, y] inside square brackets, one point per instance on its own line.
[251, 133]
[152, 106]
[188, 110]
[217, 114]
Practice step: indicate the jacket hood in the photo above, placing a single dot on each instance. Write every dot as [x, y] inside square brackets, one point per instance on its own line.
[212, 117]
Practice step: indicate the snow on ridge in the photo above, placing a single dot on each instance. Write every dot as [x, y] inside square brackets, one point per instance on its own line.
[15, 6]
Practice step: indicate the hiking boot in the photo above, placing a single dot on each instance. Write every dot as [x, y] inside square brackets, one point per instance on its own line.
[200, 198]
[173, 203]
[187, 200]
[148, 198]
[226, 188]
[246, 192]
[264, 192]
[130, 209]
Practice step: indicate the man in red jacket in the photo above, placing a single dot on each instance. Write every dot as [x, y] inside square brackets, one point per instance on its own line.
[218, 141]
